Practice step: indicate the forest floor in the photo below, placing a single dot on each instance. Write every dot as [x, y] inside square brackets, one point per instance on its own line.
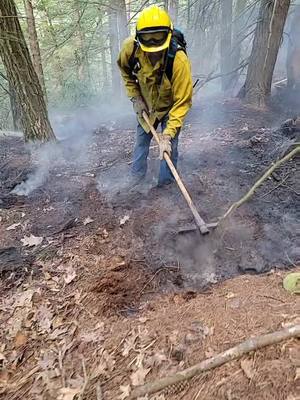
[98, 292]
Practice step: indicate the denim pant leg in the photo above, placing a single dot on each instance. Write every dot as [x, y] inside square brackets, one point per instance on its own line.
[141, 151]
[165, 174]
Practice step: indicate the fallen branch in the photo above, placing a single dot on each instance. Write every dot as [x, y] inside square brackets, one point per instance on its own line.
[269, 172]
[218, 360]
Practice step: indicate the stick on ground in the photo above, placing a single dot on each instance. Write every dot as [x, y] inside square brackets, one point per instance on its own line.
[268, 173]
[235, 352]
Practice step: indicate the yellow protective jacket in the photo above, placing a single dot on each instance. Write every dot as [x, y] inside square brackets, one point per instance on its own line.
[173, 98]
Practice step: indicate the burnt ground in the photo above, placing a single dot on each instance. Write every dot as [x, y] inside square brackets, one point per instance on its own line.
[91, 264]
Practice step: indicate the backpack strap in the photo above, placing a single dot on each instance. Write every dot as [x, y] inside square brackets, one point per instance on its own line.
[133, 62]
[173, 48]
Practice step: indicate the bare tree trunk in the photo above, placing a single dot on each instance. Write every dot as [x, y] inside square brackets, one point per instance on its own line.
[114, 51]
[238, 27]
[122, 20]
[34, 43]
[22, 76]
[267, 38]
[226, 43]
[173, 10]
[293, 53]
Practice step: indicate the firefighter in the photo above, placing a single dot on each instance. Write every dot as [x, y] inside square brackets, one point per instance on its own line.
[157, 76]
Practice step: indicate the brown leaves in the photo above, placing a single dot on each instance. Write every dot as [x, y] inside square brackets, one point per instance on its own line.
[20, 339]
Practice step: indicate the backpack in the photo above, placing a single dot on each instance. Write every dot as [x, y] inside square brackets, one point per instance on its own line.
[177, 43]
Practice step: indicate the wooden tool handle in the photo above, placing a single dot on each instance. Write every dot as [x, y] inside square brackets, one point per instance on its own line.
[199, 221]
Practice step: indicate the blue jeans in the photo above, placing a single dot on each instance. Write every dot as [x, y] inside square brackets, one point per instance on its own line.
[141, 151]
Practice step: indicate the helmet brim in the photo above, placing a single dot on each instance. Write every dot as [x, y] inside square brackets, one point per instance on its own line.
[155, 49]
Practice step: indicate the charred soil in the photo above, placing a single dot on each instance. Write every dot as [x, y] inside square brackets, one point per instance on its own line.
[98, 289]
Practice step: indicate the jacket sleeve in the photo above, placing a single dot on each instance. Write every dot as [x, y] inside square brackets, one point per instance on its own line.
[182, 91]
[131, 86]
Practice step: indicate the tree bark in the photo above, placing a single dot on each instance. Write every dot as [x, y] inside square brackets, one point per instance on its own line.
[173, 10]
[34, 43]
[114, 51]
[293, 53]
[22, 76]
[226, 43]
[238, 31]
[15, 109]
[267, 38]
[122, 20]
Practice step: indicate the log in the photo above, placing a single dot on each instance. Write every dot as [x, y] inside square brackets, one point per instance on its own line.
[234, 353]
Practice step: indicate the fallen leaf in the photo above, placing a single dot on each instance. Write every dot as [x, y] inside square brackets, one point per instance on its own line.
[230, 295]
[142, 320]
[20, 339]
[67, 393]
[247, 367]
[4, 376]
[24, 299]
[129, 344]
[44, 318]
[13, 226]
[70, 275]
[32, 240]
[156, 360]
[297, 376]
[124, 220]
[87, 221]
[125, 392]
[138, 377]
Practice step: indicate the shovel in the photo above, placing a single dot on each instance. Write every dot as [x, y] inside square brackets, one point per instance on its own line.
[200, 223]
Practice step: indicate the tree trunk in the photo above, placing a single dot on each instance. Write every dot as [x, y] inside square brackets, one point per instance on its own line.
[173, 10]
[114, 52]
[267, 38]
[34, 44]
[15, 109]
[122, 20]
[293, 53]
[238, 32]
[22, 76]
[226, 43]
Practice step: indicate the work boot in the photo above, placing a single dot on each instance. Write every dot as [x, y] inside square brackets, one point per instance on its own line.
[165, 183]
[134, 181]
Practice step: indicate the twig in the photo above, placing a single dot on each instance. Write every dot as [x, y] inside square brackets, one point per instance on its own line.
[269, 172]
[276, 187]
[234, 353]
[86, 381]
[99, 394]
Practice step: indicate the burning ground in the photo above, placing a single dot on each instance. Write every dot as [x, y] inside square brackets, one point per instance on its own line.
[95, 278]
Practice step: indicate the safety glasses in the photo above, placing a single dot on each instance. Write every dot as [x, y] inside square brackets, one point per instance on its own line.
[153, 37]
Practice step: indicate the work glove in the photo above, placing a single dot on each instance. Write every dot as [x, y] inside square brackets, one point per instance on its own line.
[164, 145]
[139, 105]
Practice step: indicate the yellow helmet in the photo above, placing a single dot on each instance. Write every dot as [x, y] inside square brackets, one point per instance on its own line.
[154, 29]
